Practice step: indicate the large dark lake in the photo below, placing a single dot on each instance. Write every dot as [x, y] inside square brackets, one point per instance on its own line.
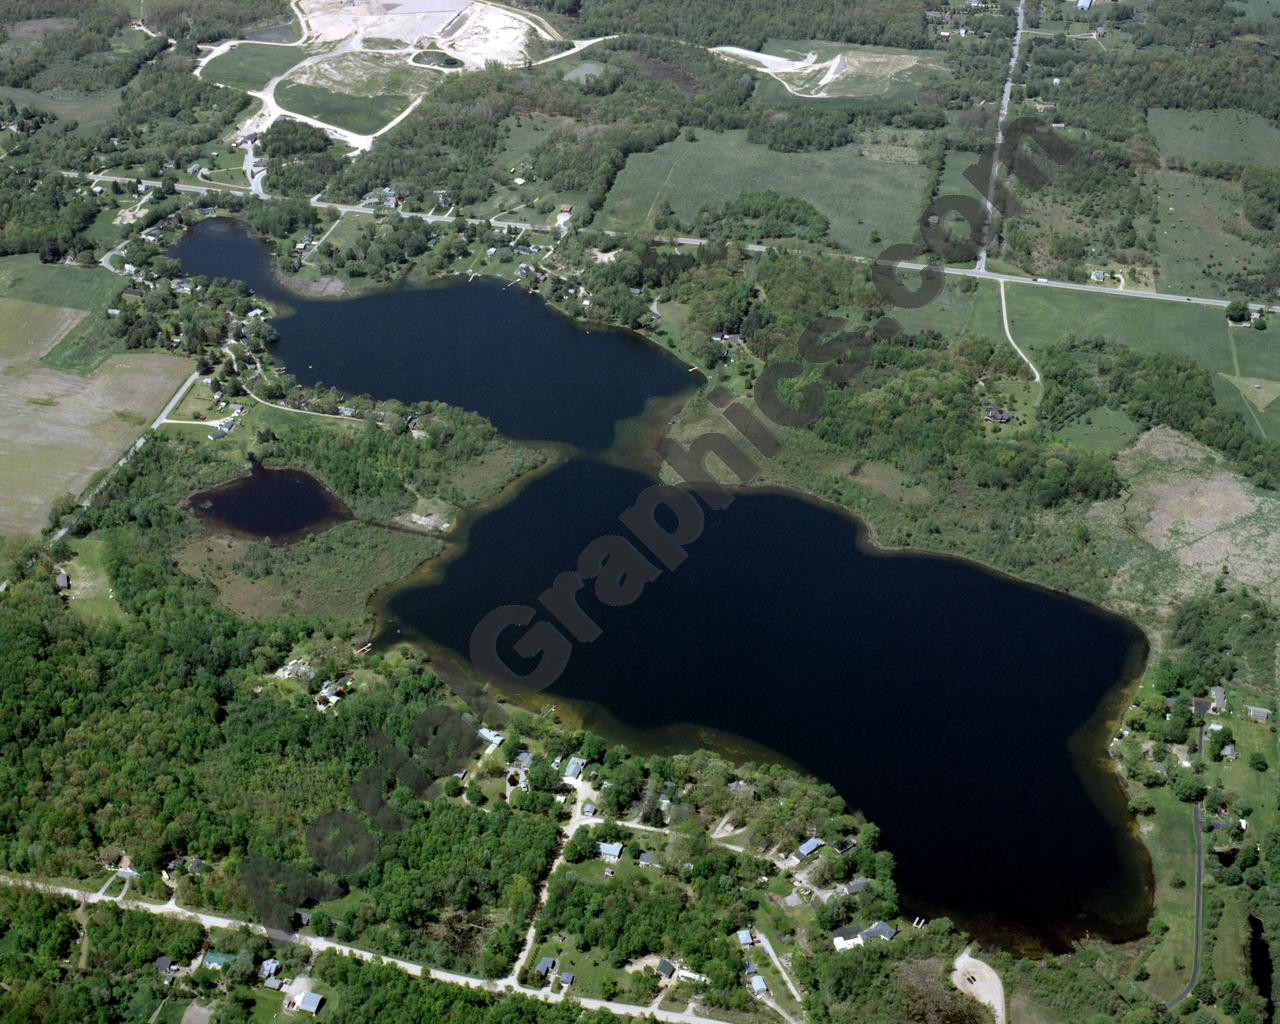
[479, 345]
[966, 713]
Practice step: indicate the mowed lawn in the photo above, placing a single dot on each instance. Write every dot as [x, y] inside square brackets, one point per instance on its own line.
[858, 195]
[58, 428]
[252, 65]
[363, 114]
[1237, 357]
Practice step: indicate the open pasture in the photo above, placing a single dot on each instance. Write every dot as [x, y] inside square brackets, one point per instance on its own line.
[857, 194]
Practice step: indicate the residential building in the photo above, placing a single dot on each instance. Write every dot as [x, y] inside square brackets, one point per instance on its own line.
[610, 852]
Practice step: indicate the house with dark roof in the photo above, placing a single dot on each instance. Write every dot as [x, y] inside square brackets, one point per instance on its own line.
[545, 966]
[856, 885]
[164, 964]
[566, 978]
[879, 930]
[845, 845]
[648, 860]
[666, 969]
[844, 938]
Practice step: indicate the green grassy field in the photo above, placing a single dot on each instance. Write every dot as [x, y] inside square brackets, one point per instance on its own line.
[84, 347]
[251, 66]
[1205, 135]
[1040, 316]
[954, 183]
[26, 278]
[1197, 245]
[857, 194]
[363, 114]
[90, 112]
[90, 593]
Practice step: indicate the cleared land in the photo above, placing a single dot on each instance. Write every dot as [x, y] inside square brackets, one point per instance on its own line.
[57, 428]
[1210, 135]
[250, 67]
[365, 74]
[362, 114]
[858, 194]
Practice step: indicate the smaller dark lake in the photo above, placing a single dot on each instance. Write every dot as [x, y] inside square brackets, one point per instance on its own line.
[478, 345]
[280, 504]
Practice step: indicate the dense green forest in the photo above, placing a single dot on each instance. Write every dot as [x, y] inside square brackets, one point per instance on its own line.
[202, 21]
[750, 22]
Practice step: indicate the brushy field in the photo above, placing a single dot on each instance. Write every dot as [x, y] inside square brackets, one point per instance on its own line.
[363, 114]
[251, 66]
[331, 574]
[91, 111]
[1197, 243]
[857, 194]
[1206, 135]
[1238, 357]
[57, 428]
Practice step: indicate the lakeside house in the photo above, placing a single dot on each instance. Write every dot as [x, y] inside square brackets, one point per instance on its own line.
[574, 768]
[847, 938]
[809, 847]
[857, 885]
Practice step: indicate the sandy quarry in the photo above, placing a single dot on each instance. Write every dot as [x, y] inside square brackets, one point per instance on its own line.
[853, 72]
[474, 32]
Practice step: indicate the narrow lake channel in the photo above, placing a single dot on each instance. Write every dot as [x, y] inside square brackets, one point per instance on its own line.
[966, 713]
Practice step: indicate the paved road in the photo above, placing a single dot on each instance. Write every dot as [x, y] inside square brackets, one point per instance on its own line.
[1195, 949]
[171, 909]
[442, 218]
[1004, 110]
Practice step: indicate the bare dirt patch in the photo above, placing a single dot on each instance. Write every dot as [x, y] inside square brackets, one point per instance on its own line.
[921, 981]
[1169, 446]
[37, 27]
[664, 71]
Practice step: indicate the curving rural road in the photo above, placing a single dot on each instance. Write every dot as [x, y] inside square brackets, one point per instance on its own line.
[1195, 948]
[171, 909]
